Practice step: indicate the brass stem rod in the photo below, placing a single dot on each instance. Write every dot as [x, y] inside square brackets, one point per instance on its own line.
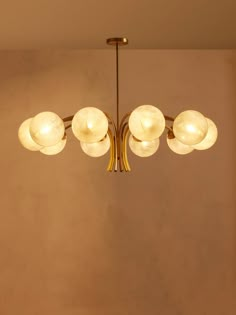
[67, 127]
[169, 128]
[117, 86]
[118, 110]
[169, 118]
[69, 118]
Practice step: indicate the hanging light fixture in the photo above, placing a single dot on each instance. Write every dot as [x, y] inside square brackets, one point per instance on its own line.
[98, 133]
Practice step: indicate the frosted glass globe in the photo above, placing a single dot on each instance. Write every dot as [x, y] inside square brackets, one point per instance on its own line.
[143, 148]
[178, 147]
[146, 123]
[210, 138]
[90, 124]
[96, 149]
[55, 149]
[25, 137]
[47, 129]
[190, 127]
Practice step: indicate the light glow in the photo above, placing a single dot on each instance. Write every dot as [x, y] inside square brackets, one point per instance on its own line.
[96, 149]
[143, 148]
[210, 138]
[25, 137]
[190, 127]
[55, 149]
[146, 122]
[47, 129]
[178, 147]
[90, 125]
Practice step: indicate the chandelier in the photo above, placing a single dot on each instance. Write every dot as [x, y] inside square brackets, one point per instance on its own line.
[98, 133]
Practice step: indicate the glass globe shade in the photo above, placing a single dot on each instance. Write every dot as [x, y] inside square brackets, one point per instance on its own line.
[96, 149]
[210, 138]
[25, 137]
[89, 125]
[143, 148]
[47, 129]
[55, 149]
[146, 123]
[178, 147]
[190, 127]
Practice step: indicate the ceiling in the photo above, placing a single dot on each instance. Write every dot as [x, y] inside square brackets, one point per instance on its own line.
[28, 24]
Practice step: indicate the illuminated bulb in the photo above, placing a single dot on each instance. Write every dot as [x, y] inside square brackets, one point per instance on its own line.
[210, 138]
[89, 125]
[25, 137]
[146, 123]
[55, 149]
[96, 149]
[143, 148]
[178, 147]
[47, 129]
[190, 127]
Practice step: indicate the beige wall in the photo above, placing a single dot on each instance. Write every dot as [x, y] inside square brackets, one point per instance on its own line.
[77, 240]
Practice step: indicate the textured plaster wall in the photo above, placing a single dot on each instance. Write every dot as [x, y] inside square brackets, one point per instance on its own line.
[77, 240]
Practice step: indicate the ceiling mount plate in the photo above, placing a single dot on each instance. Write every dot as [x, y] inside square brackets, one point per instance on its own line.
[120, 41]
